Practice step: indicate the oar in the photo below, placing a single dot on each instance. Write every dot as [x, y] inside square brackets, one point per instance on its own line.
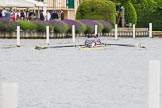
[8, 46]
[55, 46]
[127, 45]
[63, 46]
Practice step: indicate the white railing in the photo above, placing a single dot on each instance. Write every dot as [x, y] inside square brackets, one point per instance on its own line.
[131, 32]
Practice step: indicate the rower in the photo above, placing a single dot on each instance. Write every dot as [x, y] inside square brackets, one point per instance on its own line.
[90, 41]
[97, 40]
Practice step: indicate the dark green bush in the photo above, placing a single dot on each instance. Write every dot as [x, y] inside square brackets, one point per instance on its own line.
[148, 13]
[79, 26]
[91, 25]
[26, 25]
[41, 25]
[2, 27]
[89, 30]
[6, 25]
[97, 10]
[84, 27]
[107, 26]
[130, 12]
[59, 26]
[156, 20]
[11, 27]
[100, 27]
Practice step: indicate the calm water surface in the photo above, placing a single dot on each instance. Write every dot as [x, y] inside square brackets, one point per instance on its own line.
[69, 78]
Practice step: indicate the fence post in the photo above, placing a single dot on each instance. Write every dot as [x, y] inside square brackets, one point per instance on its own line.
[18, 36]
[8, 95]
[116, 32]
[134, 35]
[96, 27]
[73, 33]
[150, 30]
[154, 84]
[47, 35]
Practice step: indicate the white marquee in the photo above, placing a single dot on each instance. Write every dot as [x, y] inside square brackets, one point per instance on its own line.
[16, 3]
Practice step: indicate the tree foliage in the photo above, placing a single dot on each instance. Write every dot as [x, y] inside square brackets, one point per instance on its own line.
[145, 11]
[97, 10]
[130, 12]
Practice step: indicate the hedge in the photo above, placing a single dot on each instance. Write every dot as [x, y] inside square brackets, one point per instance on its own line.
[6, 25]
[79, 26]
[65, 26]
[26, 25]
[91, 26]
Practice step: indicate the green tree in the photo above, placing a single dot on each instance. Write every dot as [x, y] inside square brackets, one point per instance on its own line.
[145, 10]
[130, 12]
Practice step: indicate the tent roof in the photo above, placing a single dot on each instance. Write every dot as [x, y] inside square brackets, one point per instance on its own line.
[37, 3]
[41, 4]
[16, 3]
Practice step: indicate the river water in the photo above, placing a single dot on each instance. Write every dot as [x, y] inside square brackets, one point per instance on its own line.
[116, 77]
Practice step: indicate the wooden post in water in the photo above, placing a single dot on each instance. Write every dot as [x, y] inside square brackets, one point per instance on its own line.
[18, 36]
[73, 33]
[154, 84]
[8, 95]
[150, 30]
[134, 35]
[47, 35]
[116, 31]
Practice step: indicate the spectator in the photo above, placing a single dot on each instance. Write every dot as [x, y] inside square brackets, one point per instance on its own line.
[48, 15]
[17, 14]
[42, 16]
[62, 14]
[12, 14]
[0, 13]
[22, 15]
[54, 15]
[4, 12]
[31, 15]
[8, 14]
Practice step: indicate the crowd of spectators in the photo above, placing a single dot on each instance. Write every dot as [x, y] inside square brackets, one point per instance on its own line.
[13, 15]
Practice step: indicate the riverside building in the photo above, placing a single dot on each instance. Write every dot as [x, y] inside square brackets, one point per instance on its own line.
[68, 6]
